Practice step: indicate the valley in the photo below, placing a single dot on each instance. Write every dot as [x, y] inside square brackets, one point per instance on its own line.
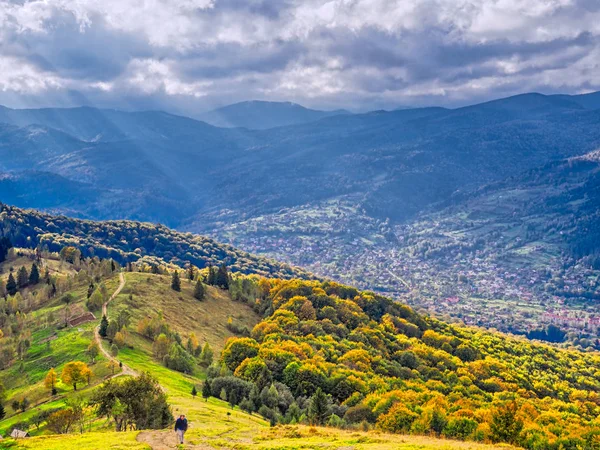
[402, 202]
[520, 250]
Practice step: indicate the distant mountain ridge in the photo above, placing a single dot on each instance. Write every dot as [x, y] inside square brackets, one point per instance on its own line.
[261, 115]
[185, 171]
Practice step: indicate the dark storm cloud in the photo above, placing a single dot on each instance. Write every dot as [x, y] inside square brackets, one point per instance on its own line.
[189, 55]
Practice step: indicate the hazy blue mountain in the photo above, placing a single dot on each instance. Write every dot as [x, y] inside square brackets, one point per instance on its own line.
[260, 115]
[588, 101]
[395, 163]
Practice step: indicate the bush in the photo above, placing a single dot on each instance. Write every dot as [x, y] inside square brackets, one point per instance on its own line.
[398, 420]
[460, 428]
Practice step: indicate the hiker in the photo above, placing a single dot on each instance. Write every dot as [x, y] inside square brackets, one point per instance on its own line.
[181, 427]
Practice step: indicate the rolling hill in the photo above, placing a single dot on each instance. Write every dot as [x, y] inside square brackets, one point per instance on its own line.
[381, 366]
[128, 241]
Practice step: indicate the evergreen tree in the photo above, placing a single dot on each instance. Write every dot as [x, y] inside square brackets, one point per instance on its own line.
[222, 278]
[22, 277]
[2, 411]
[175, 282]
[103, 326]
[206, 393]
[34, 275]
[91, 289]
[191, 272]
[210, 279]
[194, 391]
[319, 410]
[11, 285]
[5, 246]
[113, 267]
[199, 290]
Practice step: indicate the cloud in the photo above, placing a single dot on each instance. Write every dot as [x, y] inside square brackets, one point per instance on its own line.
[189, 55]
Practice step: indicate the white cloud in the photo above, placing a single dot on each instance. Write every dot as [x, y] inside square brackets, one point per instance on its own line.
[365, 53]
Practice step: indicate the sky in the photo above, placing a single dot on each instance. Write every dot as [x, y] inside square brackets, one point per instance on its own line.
[188, 56]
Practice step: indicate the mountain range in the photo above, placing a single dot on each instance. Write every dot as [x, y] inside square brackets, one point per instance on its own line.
[278, 167]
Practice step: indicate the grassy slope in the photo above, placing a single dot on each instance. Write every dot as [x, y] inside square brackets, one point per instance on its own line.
[210, 424]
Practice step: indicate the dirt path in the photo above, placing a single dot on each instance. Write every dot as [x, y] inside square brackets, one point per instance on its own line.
[166, 440]
[126, 370]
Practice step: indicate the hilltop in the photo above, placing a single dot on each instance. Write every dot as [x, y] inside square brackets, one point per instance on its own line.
[128, 241]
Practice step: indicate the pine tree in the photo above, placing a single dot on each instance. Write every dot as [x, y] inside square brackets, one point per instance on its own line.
[103, 326]
[210, 279]
[199, 290]
[11, 285]
[191, 272]
[34, 275]
[319, 410]
[175, 282]
[2, 411]
[194, 391]
[22, 277]
[222, 278]
[206, 392]
[91, 289]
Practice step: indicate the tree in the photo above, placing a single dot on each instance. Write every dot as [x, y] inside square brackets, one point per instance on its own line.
[5, 246]
[112, 329]
[175, 282]
[95, 301]
[67, 299]
[34, 275]
[222, 278]
[2, 412]
[191, 272]
[11, 285]
[61, 421]
[206, 356]
[113, 365]
[24, 404]
[161, 346]
[93, 351]
[75, 372]
[114, 350]
[199, 290]
[22, 277]
[50, 380]
[119, 340]
[194, 391]
[319, 409]
[206, 392]
[133, 402]
[103, 326]
[506, 426]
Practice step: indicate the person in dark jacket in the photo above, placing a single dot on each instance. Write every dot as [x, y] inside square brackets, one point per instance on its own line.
[181, 427]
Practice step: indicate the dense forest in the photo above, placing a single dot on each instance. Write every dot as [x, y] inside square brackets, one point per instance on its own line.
[368, 360]
[128, 241]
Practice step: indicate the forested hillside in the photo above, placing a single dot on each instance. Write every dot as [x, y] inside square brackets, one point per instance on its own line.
[127, 241]
[376, 361]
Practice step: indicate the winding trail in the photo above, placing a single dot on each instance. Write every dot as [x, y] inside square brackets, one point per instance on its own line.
[126, 370]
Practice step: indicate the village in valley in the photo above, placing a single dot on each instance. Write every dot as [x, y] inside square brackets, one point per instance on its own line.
[493, 278]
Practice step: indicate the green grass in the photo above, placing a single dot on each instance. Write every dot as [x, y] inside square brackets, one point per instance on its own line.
[212, 423]
[86, 441]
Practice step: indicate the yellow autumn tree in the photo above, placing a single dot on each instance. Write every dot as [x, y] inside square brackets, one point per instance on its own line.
[76, 372]
[50, 380]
